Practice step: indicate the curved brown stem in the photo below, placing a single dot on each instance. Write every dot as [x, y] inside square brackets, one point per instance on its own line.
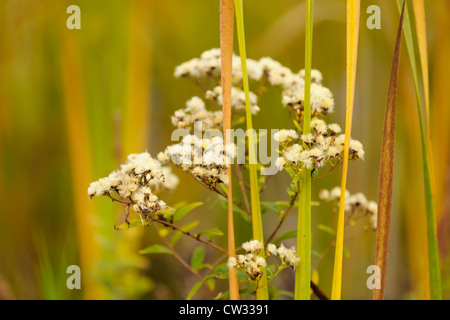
[291, 205]
[195, 237]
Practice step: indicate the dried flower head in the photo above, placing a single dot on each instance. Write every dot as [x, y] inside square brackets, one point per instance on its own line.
[356, 205]
[237, 98]
[135, 183]
[206, 160]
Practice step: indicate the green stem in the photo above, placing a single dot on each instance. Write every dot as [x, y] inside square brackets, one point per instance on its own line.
[303, 272]
[262, 292]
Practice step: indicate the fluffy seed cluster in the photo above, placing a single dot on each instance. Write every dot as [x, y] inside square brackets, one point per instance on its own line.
[288, 256]
[293, 84]
[209, 65]
[136, 182]
[312, 151]
[196, 111]
[205, 159]
[268, 70]
[285, 136]
[322, 101]
[237, 98]
[251, 262]
[356, 205]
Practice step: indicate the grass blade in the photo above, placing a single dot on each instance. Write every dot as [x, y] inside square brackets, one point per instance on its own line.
[262, 292]
[419, 13]
[303, 272]
[440, 128]
[433, 250]
[353, 13]
[226, 47]
[386, 173]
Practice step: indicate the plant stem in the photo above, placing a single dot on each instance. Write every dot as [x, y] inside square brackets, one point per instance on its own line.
[242, 187]
[262, 292]
[353, 11]
[193, 236]
[183, 262]
[303, 272]
[291, 205]
[226, 50]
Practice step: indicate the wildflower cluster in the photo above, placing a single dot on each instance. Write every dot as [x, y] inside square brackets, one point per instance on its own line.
[293, 85]
[135, 183]
[267, 71]
[288, 256]
[356, 205]
[205, 159]
[237, 98]
[209, 66]
[195, 111]
[313, 151]
[252, 263]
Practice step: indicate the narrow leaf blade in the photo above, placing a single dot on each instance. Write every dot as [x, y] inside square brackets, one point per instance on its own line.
[156, 248]
[386, 173]
[353, 14]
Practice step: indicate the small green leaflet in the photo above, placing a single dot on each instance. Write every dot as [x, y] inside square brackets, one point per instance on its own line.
[156, 248]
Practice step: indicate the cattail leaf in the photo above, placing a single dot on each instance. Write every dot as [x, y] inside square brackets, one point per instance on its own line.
[419, 13]
[434, 273]
[386, 171]
[262, 290]
[353, 14]
[303, 271]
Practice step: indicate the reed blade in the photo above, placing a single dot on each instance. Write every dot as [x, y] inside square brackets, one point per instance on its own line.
[303, 271]
[433, 250]
[353, 14]
[262, 292]
[386, 172]
[226, 49]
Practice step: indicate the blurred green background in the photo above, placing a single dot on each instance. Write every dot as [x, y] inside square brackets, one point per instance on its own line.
[75, 103]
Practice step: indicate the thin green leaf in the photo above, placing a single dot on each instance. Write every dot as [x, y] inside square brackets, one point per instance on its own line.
[133, 224]
[196, 287]
[346, 252]
[286, 235]
[197, 258]
[211, 233]
[156, 248]
[327, 229]
[262, 291]
[185, 210]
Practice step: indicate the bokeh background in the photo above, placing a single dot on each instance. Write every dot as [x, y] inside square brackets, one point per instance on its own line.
[75, 103]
